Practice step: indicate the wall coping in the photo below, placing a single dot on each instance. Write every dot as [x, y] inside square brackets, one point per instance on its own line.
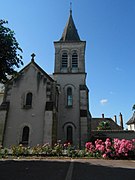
[113, 131]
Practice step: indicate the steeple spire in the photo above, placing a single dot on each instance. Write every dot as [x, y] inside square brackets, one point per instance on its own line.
[70, 32]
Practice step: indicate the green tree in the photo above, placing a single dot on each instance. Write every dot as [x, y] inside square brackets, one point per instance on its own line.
[10, 57]
[104, 125]
[133, 108]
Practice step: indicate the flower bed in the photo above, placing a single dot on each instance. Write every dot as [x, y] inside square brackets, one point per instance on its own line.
[111, 149]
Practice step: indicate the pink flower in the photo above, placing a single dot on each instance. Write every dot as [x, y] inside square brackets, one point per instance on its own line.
[65, 144]
[104, 156]
[100, 147]
[108, 150]
[89, 146]
[108, 143]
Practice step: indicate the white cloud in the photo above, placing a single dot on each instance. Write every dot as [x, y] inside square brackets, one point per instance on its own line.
[118, 69]
[103, 101]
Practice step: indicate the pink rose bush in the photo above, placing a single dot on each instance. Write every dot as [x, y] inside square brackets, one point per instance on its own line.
[110, 148]
[115, 148]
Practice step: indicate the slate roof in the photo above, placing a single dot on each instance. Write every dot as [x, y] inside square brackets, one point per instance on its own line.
[95, 123]
[131, 120]
[70, 32]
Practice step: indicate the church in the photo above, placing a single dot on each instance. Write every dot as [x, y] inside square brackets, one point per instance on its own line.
[39, 108]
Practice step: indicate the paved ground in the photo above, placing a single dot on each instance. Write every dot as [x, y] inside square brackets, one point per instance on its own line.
[74, 169]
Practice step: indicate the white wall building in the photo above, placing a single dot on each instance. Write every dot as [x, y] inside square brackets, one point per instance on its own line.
[131, 123]
[39, 109]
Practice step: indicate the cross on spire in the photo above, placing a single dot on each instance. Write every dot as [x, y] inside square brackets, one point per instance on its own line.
[32, 55]
[70, 8]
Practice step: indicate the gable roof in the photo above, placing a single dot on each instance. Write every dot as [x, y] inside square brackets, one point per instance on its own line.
[41, 70]
[95, 123]
[131, 120]
[70, 32]
[37, 66]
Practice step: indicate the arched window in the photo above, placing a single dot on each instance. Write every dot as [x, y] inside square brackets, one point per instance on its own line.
[70, 134]
[64, 62]
[69, 97]
[29, 99]
[74, 60]
[25, 135]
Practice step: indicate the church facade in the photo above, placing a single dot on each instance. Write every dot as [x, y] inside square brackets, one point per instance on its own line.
[39, 108]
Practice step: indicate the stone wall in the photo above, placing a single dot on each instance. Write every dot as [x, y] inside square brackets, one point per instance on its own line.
[2, 124]
[1, 97]
[114, 134]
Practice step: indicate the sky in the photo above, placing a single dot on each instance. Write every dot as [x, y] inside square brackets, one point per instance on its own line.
[107, 26]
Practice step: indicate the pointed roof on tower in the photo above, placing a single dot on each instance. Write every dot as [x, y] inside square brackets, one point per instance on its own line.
[70, 32]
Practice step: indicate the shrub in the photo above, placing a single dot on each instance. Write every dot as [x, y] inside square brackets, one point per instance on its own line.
[20, 150]
[36, 150]
[104, 125]
[46, 150]
[112, 149]
[57, 149]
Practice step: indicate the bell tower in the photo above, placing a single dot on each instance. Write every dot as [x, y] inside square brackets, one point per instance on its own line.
[69, 72]
[70, 50]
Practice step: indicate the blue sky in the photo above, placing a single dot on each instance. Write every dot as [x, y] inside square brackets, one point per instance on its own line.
[108, 26]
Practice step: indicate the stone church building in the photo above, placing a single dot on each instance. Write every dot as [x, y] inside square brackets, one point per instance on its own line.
[38, 108]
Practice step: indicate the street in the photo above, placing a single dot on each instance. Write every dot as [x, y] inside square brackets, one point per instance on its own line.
[74, 169]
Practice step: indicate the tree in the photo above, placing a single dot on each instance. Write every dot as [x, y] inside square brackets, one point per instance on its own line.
[133, 108]
[9, 52]
[104, 125]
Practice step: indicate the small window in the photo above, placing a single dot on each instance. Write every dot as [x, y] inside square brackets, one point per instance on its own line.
[70, 134]
[29, 99]
[64, 60]
[69, 97]
[25, 135]
[74, 60]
